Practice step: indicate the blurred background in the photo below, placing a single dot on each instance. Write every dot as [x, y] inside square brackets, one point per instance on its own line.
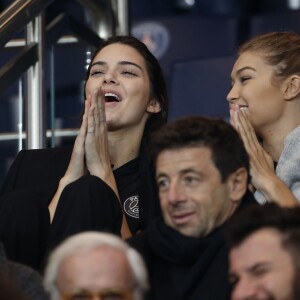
[46, 47]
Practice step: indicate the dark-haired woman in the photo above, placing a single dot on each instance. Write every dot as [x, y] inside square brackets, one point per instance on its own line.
[105, 182]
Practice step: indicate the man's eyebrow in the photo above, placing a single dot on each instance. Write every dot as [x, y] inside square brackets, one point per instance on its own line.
[161, 174]
[181, 172]
[189, 170]
[122, 63]
[259, 265]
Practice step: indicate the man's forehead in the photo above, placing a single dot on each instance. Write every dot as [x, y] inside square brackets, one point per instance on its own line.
[184, 152]
[261, 245]
[183, 158]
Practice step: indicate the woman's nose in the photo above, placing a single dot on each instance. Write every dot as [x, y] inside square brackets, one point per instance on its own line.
[109, 78]
[233, 94]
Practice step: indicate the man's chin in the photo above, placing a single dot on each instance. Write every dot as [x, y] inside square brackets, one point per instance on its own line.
[190, 232]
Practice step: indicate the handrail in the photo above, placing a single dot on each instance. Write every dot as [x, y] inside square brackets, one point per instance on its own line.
[9, 73]
[67, 132]
[18, 15]
[35, 99]
[78, 29]
[106, 17]
[103, 23]
[21, 12]
[28, 54]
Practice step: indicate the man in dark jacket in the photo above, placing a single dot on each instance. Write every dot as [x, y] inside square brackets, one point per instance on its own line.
[202, 173]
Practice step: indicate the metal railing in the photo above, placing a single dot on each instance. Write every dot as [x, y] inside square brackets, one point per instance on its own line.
[103, 18]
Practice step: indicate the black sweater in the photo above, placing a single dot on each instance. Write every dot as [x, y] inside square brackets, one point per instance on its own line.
[86, 204]
[182, 267]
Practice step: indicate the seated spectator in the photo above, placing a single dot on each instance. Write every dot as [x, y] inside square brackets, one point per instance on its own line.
[93, 265]
[265, 109]
[105, 182]
[202, 176]
[264, 244]
[18, 281]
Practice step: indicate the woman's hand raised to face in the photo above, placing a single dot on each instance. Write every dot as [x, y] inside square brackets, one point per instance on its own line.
[261, 163]
[90, 152]
[96, 148]
[96, 142]
[263, 175]
[76, 167]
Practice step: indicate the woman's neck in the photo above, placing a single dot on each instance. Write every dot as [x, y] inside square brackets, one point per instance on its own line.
[124, 146]
[273, 137]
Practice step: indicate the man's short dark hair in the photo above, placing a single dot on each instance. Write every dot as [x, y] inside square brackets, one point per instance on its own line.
[284, 220]
[228, 152]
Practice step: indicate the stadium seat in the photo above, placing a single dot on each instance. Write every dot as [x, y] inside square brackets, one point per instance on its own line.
[200, 87]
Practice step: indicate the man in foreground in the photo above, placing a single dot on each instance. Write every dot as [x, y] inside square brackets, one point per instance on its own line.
[202, 173]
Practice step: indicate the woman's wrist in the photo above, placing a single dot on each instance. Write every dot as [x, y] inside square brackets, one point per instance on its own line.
[277, 191]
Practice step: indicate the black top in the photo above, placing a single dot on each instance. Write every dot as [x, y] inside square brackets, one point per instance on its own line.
[129, 183]
[85, 204]
[182, 267]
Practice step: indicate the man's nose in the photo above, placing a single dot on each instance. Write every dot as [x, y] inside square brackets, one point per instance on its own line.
[245, 289]
[176, 193]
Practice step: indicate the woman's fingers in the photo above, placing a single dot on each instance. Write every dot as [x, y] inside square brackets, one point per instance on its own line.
[96, 117]
[96, 143]
[261, 163]
[246, 125]
[232, 119]
[98, 101]
[246, 130]
[76, 166]
[91, 126]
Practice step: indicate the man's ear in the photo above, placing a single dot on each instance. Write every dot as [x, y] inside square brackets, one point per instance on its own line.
[292, 87]
[238, 184]
[153, 106]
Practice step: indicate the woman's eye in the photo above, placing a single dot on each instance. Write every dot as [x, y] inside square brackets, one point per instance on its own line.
[128, 73]
[96, 72]
[245, 78]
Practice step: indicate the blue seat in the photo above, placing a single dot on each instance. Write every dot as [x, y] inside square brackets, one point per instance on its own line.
[179, 38]
[284, 21]
[200, 87]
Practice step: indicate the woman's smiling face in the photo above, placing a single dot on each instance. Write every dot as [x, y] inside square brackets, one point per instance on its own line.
[253, 87]
[120, 72]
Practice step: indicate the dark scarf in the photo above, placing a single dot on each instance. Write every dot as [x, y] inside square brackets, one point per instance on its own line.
[186, 265]
[195, 267]
[176, 248]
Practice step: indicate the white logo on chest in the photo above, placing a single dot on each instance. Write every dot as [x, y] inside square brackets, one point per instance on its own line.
[131, 206]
